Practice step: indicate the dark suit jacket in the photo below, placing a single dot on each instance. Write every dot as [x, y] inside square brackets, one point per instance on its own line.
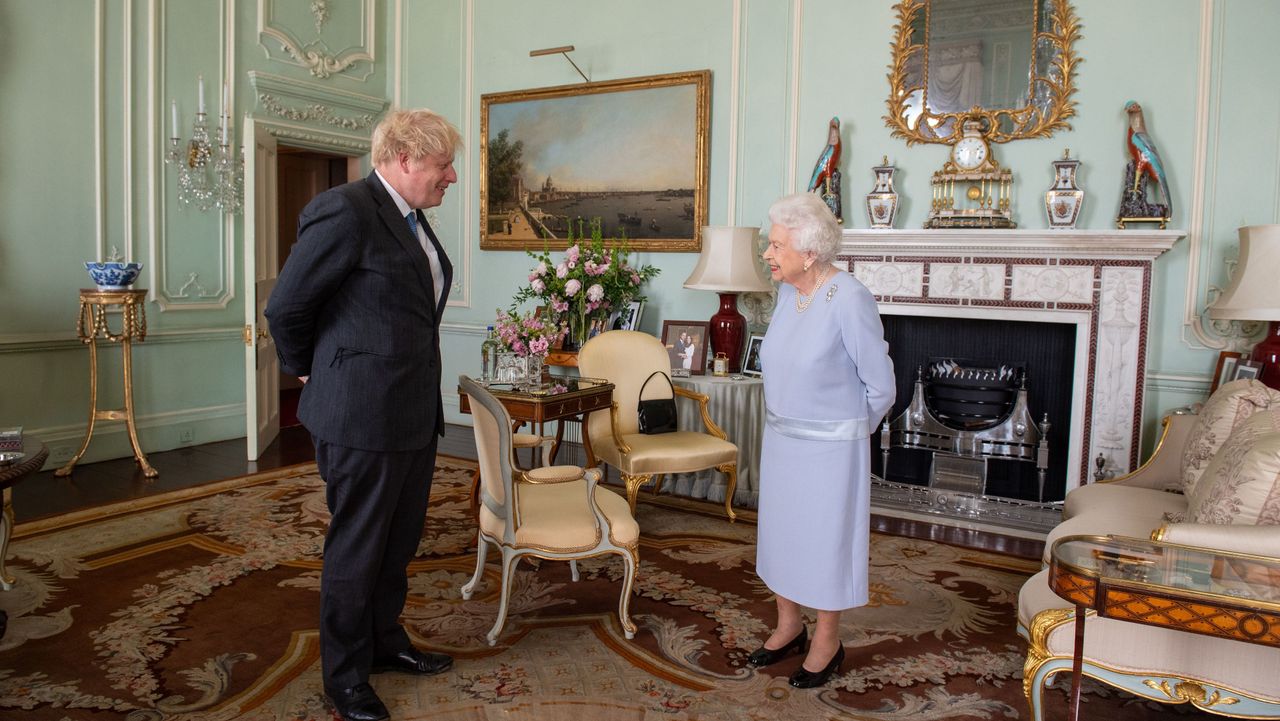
[354, 308]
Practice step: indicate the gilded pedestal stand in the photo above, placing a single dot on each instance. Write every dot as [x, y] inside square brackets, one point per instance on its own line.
[92, 326]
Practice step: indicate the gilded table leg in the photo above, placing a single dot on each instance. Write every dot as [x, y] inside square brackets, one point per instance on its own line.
[6, 529]
[633, 487]
[1077, 662]
[93, 411]
[141, 457]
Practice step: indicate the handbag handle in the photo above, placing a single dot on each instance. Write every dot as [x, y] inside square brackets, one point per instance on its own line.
[640, 395]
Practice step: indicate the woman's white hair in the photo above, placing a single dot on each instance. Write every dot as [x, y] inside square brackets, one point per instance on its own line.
[813, 228]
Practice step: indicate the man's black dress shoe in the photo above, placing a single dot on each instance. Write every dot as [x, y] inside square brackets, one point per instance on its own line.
[768, 656]
[358, 703]
[411, 660]
[804, 678]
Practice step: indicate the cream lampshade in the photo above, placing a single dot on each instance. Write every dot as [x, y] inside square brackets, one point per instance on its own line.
[728, 266]
[1254, 294]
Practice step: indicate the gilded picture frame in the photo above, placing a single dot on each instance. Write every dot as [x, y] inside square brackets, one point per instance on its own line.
[633, 152]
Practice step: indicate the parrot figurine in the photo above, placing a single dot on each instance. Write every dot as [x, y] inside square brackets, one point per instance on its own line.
[826, 175]
[1146, 160]
[829, 158]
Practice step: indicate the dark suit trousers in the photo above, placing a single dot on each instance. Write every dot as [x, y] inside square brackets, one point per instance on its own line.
[377, 503]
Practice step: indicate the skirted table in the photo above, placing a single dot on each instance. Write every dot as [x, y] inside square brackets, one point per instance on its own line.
[737, 406]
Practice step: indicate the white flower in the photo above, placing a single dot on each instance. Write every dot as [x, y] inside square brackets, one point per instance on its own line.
[572, 287]
[595, 292]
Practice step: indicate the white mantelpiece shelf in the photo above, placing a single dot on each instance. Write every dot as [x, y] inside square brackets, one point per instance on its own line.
[1098, 280]
[1016, 243]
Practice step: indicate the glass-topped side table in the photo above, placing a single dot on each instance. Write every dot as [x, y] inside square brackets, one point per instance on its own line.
[1215, 593]
[92, 327]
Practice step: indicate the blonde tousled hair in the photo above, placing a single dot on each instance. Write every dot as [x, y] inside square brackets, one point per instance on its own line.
[418, 133]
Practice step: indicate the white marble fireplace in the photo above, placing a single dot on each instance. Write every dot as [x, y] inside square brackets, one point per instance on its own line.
[1099, 281]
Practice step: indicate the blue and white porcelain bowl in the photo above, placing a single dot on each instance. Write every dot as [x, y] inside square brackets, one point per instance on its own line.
[113, 275]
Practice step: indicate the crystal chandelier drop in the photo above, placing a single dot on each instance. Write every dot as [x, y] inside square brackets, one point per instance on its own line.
[208, 177]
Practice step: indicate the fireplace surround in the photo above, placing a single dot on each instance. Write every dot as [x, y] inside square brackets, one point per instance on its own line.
[1098, 281]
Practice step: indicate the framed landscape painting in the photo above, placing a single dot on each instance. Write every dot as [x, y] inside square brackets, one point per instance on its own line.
[631, 152]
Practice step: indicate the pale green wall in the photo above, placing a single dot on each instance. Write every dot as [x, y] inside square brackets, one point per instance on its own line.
[87, 83]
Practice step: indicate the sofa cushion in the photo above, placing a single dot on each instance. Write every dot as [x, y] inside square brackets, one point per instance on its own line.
[1241, 484]
[1149, 503]
[1227, 408]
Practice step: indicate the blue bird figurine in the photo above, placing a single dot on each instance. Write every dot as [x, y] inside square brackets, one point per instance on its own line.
[1146, 161]
[826, 175]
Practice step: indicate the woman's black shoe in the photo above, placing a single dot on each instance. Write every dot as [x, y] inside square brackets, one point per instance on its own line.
[767, 657]
[804, 678]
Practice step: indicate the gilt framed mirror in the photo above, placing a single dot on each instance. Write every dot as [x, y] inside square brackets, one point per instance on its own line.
[1013, 62]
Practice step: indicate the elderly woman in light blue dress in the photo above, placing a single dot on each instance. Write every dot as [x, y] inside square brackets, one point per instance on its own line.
[828, 381]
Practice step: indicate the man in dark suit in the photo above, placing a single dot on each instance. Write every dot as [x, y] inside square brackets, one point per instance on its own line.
[356, 315]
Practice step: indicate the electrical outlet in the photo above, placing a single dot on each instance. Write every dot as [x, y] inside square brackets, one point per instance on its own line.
[61, 454]
[186, 435]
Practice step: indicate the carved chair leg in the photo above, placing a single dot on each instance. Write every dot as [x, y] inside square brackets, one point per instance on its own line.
[657, 482]
[633, 487]
[731, 471]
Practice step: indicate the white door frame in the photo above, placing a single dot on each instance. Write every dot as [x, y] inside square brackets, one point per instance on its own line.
[261, 259]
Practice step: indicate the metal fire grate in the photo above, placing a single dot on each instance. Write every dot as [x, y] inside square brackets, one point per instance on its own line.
[966, 416]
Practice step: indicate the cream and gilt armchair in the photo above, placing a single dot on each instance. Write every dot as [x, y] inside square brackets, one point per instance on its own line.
[626, 358]
[552, 512]
[1213, 483]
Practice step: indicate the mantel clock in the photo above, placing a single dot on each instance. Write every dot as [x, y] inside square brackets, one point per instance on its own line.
[972, 190]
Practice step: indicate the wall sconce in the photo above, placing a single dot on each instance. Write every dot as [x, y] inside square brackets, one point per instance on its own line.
[207, 177]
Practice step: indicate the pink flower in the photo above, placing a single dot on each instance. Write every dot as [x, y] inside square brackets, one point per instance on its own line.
[541, 269]
[572, 287]
[572, 253]
[537, 285]
[539, 346]
[562, 270]
[559, 306]
[595, 293]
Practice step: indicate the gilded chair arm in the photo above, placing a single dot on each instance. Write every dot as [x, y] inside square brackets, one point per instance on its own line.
[623, 448]
[1163, 470]
[702, 399]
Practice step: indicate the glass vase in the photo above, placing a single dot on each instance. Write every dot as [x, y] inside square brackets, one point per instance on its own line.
[533, 371]
[512, 368]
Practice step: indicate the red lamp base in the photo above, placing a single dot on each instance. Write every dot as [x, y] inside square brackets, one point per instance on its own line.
[1268, 354]
[728, 327]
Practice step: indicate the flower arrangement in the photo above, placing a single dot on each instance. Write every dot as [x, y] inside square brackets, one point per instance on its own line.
[588, 284]
[526, 334]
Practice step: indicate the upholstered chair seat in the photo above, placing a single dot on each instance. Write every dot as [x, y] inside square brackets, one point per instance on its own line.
[627, 359]
[551, 512]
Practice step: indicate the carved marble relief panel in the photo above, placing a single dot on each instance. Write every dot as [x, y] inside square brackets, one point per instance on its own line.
[955, 280]
[891, 279]
[1052, 284]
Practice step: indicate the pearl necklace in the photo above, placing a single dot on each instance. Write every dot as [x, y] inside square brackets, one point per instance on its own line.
[803, 305]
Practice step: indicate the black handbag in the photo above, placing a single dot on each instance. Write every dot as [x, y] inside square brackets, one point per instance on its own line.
[657, 415]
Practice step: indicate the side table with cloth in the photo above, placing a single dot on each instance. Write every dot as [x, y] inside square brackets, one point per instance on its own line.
[738, 407]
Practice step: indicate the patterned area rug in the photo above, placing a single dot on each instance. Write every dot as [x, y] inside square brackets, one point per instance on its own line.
[202, 604]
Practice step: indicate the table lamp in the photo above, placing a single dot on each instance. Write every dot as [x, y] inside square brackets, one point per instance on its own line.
[1255, 295]
[728, 266]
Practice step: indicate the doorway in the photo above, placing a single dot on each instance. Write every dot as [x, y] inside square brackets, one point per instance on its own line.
[302, 175]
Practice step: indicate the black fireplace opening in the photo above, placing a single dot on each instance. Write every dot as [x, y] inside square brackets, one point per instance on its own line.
[1045, 353]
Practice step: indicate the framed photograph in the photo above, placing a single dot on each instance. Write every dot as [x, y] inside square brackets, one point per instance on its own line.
[627, 318]
[686, 342]
[751, 360]
[1225, 372]
[633, 152]
[1247, 369]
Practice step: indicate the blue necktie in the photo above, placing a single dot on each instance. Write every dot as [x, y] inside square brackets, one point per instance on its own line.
[412, 217]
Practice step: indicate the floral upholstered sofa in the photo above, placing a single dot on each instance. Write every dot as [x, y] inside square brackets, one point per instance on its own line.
[1213, 482]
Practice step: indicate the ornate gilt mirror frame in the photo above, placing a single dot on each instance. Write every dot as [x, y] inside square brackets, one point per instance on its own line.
[1050, 94]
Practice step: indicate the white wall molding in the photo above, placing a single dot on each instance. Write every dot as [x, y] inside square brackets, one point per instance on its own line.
[307, 102]
[42, 342]
[793, 96]
[737, 59]
[282, 45]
